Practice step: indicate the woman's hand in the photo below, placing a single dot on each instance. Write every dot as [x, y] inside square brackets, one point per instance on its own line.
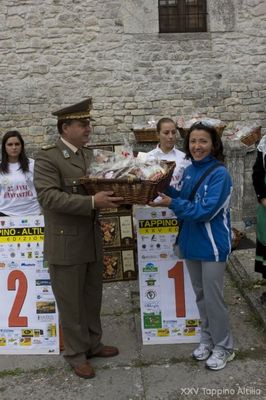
[263, 202]
[180, 123]
[165, 201]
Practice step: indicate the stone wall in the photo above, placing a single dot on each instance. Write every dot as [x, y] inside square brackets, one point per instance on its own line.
[56, 52]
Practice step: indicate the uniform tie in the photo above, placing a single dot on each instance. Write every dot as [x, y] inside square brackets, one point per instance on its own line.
[80, 154]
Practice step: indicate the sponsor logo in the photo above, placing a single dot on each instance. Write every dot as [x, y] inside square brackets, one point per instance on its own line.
[151, 294]
[12, 265]
[149, 304]
[150, 281]
[43, 282]
[150, 267]
[150, 333]
[191, 331]
[192, 322]
[27, 264]
[163, 255]
[163, 332]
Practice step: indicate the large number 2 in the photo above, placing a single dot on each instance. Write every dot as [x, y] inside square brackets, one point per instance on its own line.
[14, 320]
[177, 273]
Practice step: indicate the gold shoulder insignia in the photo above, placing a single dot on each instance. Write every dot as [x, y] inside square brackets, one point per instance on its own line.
[48, 146]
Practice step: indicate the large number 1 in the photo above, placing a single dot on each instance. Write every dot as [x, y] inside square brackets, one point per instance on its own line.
[177, 273]
[14, 320]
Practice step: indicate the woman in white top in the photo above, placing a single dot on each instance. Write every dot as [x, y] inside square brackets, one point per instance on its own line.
[17, 193]
[166, 150]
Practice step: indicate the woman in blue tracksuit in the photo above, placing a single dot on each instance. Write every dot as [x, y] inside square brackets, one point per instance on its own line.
[205, 238]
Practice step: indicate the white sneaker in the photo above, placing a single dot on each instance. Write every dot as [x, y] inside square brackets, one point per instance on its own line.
[219, 358]
[202, 352]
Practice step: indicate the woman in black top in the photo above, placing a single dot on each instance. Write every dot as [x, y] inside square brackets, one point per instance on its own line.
[259, 183]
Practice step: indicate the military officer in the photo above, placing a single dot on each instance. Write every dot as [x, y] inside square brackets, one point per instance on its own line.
[72, 241]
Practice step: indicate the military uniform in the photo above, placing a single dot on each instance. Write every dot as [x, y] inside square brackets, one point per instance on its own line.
[72, 246]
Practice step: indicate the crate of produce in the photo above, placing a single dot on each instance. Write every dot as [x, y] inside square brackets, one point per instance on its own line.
[133, 190]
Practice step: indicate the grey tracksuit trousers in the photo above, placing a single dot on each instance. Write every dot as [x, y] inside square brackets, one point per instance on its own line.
[207, 281]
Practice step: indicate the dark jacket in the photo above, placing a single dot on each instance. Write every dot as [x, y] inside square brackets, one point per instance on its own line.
[258, 176]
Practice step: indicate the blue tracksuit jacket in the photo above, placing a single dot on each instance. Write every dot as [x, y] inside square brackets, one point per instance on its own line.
[206, 230]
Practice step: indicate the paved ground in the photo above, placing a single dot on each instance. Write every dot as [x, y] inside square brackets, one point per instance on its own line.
[152, 372]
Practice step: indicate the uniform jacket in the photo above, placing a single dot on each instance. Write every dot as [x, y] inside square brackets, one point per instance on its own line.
[206, 231]
[72, 232]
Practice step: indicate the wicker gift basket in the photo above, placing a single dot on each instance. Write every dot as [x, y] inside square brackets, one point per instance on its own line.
[252, 137]
[134, 191]
[146, 135]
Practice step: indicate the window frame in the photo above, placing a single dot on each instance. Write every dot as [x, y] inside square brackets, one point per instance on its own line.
[183, 21]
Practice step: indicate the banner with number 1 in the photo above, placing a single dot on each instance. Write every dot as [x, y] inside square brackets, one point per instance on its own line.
[168, 309]
[28, 312]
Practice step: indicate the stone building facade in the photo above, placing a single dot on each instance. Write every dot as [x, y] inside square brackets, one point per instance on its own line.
[56, 52]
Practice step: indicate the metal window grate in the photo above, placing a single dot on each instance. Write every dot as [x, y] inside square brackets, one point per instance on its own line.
[182, 16]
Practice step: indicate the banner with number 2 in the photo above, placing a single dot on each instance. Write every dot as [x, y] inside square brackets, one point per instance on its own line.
[28, 313]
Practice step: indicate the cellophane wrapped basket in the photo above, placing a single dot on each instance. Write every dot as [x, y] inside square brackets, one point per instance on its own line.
[146, 135]
[252, 137]
[134, 191]
[184, 131]
[184, 126]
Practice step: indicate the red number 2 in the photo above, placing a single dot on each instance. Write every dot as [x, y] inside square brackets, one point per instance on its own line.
[14, 319]
[177, 274]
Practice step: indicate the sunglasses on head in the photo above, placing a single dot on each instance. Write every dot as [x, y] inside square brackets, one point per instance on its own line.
[199, 124]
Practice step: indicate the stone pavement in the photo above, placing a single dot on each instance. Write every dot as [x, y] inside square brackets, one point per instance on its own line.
[249, 282]
[164, 372]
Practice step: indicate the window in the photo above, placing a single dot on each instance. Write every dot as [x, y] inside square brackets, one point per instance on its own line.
[182, 16]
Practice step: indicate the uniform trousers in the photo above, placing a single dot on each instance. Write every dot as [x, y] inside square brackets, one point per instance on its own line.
[207, 282]
[78, 293]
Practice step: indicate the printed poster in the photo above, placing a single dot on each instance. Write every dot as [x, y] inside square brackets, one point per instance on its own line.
[168, 309]
[28, 312]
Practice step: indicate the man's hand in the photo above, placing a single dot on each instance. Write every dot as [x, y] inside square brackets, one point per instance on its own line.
[106, 200]
[165, 201]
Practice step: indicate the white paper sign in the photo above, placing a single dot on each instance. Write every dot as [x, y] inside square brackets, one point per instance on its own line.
[28, 312]
[168, 309]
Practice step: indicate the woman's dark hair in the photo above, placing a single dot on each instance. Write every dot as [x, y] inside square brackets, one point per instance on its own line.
[22, 159]
[162, 121]
[217, 144]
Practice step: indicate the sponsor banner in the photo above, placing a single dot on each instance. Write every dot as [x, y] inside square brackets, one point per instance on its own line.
[29, 320]
[168, 309]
